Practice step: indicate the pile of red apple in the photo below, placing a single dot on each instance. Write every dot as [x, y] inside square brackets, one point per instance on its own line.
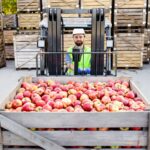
[51, 96]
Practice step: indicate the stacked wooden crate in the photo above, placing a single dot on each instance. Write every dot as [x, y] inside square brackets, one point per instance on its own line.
[2, 50]
[25, 41]
[146, 57]
[10, 26]
[90, 4]
[129, 32]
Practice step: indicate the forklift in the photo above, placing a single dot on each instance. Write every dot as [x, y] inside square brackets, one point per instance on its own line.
[50, 61]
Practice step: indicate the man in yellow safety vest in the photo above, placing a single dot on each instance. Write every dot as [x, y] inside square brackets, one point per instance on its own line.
[84, 64]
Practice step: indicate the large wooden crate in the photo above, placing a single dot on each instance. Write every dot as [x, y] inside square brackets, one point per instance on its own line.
[28, 5]
[149, 17]
[1, 22]
[9, 50]
[130, 17]
[9, 22]
[130, 3]
[29, 21]
[8, 36]
[25, 50]
[70, 4]
[19, 133]
[129, 51]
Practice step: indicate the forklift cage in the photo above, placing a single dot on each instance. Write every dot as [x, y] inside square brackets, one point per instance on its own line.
[44, 56]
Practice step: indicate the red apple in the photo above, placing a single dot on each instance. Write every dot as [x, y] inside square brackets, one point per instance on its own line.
[40, 90]
[105, 99]
[72, 91]
[87, 106]
[130, 94]
[38, 108]
[66, 102]
[28, 107]
[27, 94]
[70, 109]
[84, 96]
[46, 98]
[58, 104]
[35, 97]
[19, 96]
[51, 103]
[26, 85]
[76, 102]
[72, 97]
[40, 103]
[21, 90]
[16, 103]
[25, 100]
[47, 107]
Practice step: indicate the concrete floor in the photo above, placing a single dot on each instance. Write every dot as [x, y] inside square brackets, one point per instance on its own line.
[9, 78]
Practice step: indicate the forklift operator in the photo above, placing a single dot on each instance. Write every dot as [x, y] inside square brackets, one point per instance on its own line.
[84, 62]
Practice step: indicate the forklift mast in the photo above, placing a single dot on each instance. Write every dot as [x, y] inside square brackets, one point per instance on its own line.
[54, 39]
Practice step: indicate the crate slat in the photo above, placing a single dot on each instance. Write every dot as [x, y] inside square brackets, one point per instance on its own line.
[88, 120]
[72, 138]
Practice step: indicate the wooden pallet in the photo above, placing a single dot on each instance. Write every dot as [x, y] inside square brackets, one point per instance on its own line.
[9, 50]
[8, 36]
[129, 48]
[29, 21]
[10, 21]
[25, 50]
[28, 5]
[18, 130]
[129, 17]
[128, 29]
[130, 3]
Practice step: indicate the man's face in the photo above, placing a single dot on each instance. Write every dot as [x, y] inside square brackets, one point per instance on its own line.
[78, 39]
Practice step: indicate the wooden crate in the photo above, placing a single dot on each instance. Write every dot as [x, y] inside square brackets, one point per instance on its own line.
[1, 22]
[25, 50]
[2, 59]
[129, 50]
[29, 21]
[9, 21]
[8, 36]
[70, 4]
[28, 5]
[89, 4]
[129, 17]
[149, 18]
[9, 50]
[17, 125]
[130, 3]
